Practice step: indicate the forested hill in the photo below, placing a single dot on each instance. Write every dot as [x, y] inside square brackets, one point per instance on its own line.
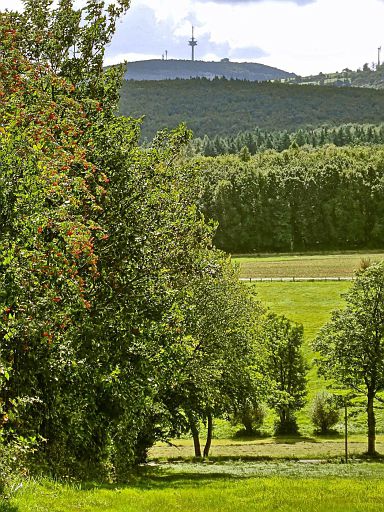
[158, 69]
[226, 107]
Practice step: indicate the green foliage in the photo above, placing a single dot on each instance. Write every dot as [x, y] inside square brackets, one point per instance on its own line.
[251, 415]
[351, 345]
[71, 42]
[285, 367]
[259, 140]
[297, 200]
[118, 318]
[223, 108]
[325, 412]
[244, 154]
[218, 371]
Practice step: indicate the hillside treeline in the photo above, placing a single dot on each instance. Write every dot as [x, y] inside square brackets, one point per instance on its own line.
[369, 76]
[226, 107]
[300, 199]
[258, 140]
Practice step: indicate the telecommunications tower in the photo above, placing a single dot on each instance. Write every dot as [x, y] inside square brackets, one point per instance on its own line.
[192, 42]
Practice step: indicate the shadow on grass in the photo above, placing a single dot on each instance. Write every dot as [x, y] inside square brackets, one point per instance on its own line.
[5, 506]
[331, 436]
[150, 477]
[242, 436]
[220, 458]
[284, 439]
[158, 478]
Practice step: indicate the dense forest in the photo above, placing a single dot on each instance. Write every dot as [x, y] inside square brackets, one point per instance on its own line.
[257, 141]
[300, 199]
[225, 107]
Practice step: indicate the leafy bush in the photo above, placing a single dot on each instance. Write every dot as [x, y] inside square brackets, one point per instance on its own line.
[251, 415]
[325, 413]
[288, 426]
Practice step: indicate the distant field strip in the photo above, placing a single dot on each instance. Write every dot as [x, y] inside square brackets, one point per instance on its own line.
[293, 279]
[304, 267]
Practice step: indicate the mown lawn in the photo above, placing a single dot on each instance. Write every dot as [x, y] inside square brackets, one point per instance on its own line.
[318, 265]
[270, 448]
[283, 486]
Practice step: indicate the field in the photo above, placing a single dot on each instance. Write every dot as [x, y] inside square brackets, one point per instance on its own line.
[283, 486]
[309, 447]
[309, 266]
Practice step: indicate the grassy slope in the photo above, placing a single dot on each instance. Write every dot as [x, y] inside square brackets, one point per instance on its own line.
[241, 487]
[311, 304]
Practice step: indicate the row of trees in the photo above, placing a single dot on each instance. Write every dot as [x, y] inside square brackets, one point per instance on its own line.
[258, 140]
[300, 199]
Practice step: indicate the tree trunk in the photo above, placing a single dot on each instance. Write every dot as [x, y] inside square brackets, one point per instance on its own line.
[195, 435]
[207, 446]
[371, 424]
[248, 425]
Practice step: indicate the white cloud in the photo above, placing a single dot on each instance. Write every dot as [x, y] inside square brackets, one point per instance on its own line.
[11, 5]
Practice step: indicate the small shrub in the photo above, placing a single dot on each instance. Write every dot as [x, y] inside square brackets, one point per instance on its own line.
[286, 427]
[325, 413]
[252, 417]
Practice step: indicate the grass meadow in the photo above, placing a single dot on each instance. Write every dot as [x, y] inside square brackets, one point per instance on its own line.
[240, 487]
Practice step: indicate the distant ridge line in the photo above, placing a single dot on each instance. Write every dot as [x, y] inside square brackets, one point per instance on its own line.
[172, 69]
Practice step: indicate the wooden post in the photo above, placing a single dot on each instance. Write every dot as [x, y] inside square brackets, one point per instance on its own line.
[346, 429]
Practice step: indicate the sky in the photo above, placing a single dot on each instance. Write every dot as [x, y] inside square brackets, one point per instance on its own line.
[300, 36]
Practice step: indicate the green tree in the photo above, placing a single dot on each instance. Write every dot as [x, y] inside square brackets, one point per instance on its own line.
[98, 241]
[351, 345]
[219, 371]
[284, 365]
[71, 42]
[325, 412]
[244, 154]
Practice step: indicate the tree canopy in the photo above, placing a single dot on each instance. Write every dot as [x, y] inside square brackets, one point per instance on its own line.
[105, 259]
[351, 345]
